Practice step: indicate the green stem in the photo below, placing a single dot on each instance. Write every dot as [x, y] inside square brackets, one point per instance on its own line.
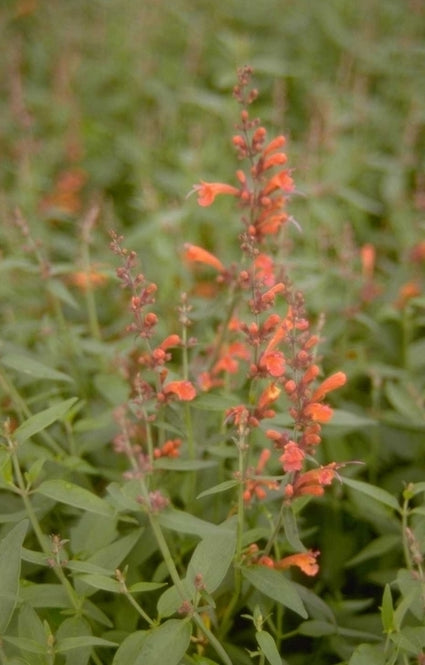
[227, 616]
[24, 493]
[89, 296]
[404, 527]
[23, 410]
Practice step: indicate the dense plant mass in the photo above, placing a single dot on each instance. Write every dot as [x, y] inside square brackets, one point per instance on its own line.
[212, 394]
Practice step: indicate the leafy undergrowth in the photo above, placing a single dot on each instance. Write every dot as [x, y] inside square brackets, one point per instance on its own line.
[213, 415]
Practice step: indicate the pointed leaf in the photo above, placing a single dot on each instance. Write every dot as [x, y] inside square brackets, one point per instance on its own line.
[177, 520]
[291, 529]
[33, 368]
[274, 585]
[69, 643]
[74, 495]
[165, 644]
[387, 610]
[42, 420]
[376, 493]
[366, 654]
[218, 489]
[10, 567]
[212, 558]
[130, 648]
[268, 646]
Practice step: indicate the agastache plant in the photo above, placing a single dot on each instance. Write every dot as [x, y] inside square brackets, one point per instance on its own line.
[262, 361]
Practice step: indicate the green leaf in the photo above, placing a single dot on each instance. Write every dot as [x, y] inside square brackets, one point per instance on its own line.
[367, 654]
[101, 582]
[42, 420]
[183, 465]
[274, 585]
[317, 628]
[212, 557]
[33, 368]
[45, 595]
[165, 644]
[387, 610]
[25, 644]
[218, 489]
[10, 567]
[130, 648]
[177, 520]
[69, 643]
[74, 495]
[143, 587]
[349, 420]
[291, 529]
[268, 646]
[376, 493]
[404, 402]
[377, 547]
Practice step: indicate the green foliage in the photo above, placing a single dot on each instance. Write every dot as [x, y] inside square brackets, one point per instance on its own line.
[109, 113]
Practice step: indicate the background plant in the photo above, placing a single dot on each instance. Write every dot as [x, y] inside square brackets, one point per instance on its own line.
[87, 131]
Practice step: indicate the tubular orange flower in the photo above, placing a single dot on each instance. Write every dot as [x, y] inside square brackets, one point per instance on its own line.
[281, 180]
[305, 561]
[269, 395]
[273, 363]
[321, 413]
[292, 458]
[368, 255]
[333, 382]
[207, 191]
[183, 390]
[274, 144]
[193, 253]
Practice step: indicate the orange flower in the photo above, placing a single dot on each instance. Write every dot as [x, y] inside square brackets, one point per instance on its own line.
[85, 280]
[305, 561]
[273, 363]
[274, 144]
[193, 253]
[321, 413]
[269, 395]
[292, 458]
[183, 390]
[406, 292]
[207, 191]
[312, 482]
[333, 382]
[368, 255]
[281, 180]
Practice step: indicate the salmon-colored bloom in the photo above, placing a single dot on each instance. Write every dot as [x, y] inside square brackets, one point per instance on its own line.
[406, 292]
[183, 390]
[333, 382]
[207, 191]
[292, 458]
[269, 296]
[305, 561]
[264, 269]
[193, 253]
[368, 256]
[281, 180]
[171, 340]
[85, 280]
[275, 144]
[321, 413]
[312, 482]
[272, 363]
[268, 396]
[169, 449]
